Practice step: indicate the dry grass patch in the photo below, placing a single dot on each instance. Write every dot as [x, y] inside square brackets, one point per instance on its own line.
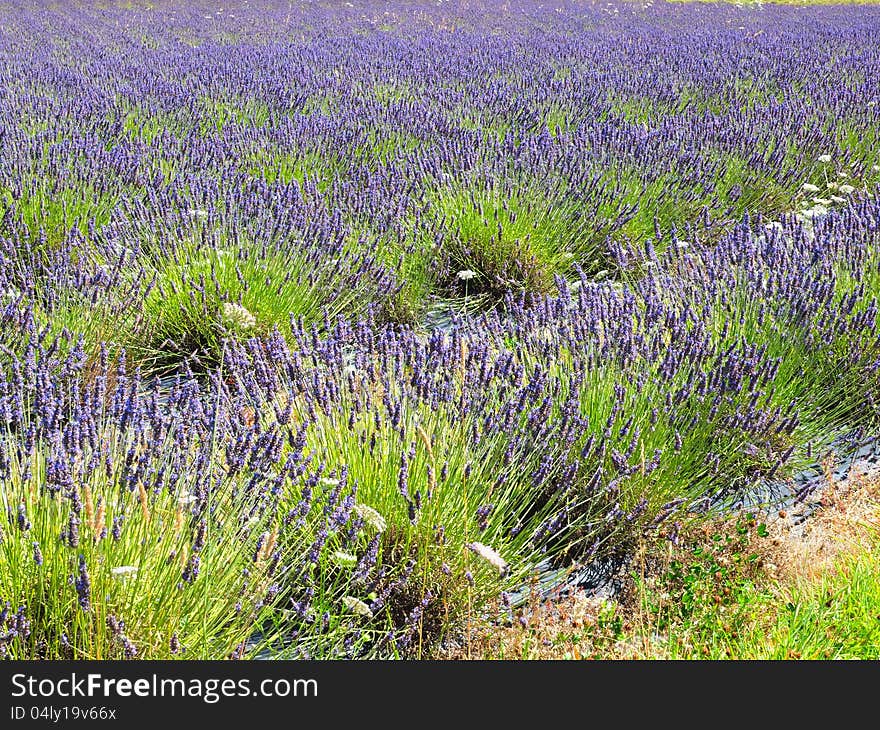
[725, 585]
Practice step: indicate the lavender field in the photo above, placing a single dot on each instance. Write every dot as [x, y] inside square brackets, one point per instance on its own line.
[324, 326]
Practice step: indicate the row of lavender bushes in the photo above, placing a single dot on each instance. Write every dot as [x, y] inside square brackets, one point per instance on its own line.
[227, 426]
[358, 491]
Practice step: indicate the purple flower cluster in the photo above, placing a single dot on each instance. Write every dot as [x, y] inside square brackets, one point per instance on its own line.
[15, 628]
[330, 144]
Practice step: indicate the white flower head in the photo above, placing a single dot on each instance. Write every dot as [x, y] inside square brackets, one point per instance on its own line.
[838, 199]
[346, 560]
[875, 168]
[824, 158]
[10, 295]
[822, 201]
[355, 605]
[124, 570]
[490, 556]
[237, 317]
[810, 188]
[186, 499]
[814, 212]
[466, 274]
[370, 517]
[198, 213]
[846, 189]
[329, 481]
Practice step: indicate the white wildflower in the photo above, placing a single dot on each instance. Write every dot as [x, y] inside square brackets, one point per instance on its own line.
[355, 605]
[186, 499]
[847, 189]
[810, 188]
[807, 227]
[466, 274]
[236, 316]
[490, 556]
[875, 168]
[815, 211]
[198, 213]
[810, 213]
[346, 560]
[822, 201]
[838, 199]
[370, 516]
[842, 174]
[833, 186]
[329, 481]
[352, 370]
[824, 158]
[124, 570]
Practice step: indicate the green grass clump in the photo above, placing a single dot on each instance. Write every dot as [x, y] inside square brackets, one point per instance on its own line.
[203, 294]
[283, 167]
[110, 552]
[45, 211]
[214, 113]
[438, 490]
[415, 267]
[834, 618]
[511, 238]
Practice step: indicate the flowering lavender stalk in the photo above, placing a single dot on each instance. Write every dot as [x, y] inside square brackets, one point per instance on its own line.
[83, 586]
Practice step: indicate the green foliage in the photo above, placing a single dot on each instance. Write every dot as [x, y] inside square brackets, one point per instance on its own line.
[136, 577]
[204, 294]
[513, 239]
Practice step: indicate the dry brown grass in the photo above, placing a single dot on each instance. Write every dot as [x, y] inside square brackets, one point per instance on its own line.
[847, 514]
[844, 520]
